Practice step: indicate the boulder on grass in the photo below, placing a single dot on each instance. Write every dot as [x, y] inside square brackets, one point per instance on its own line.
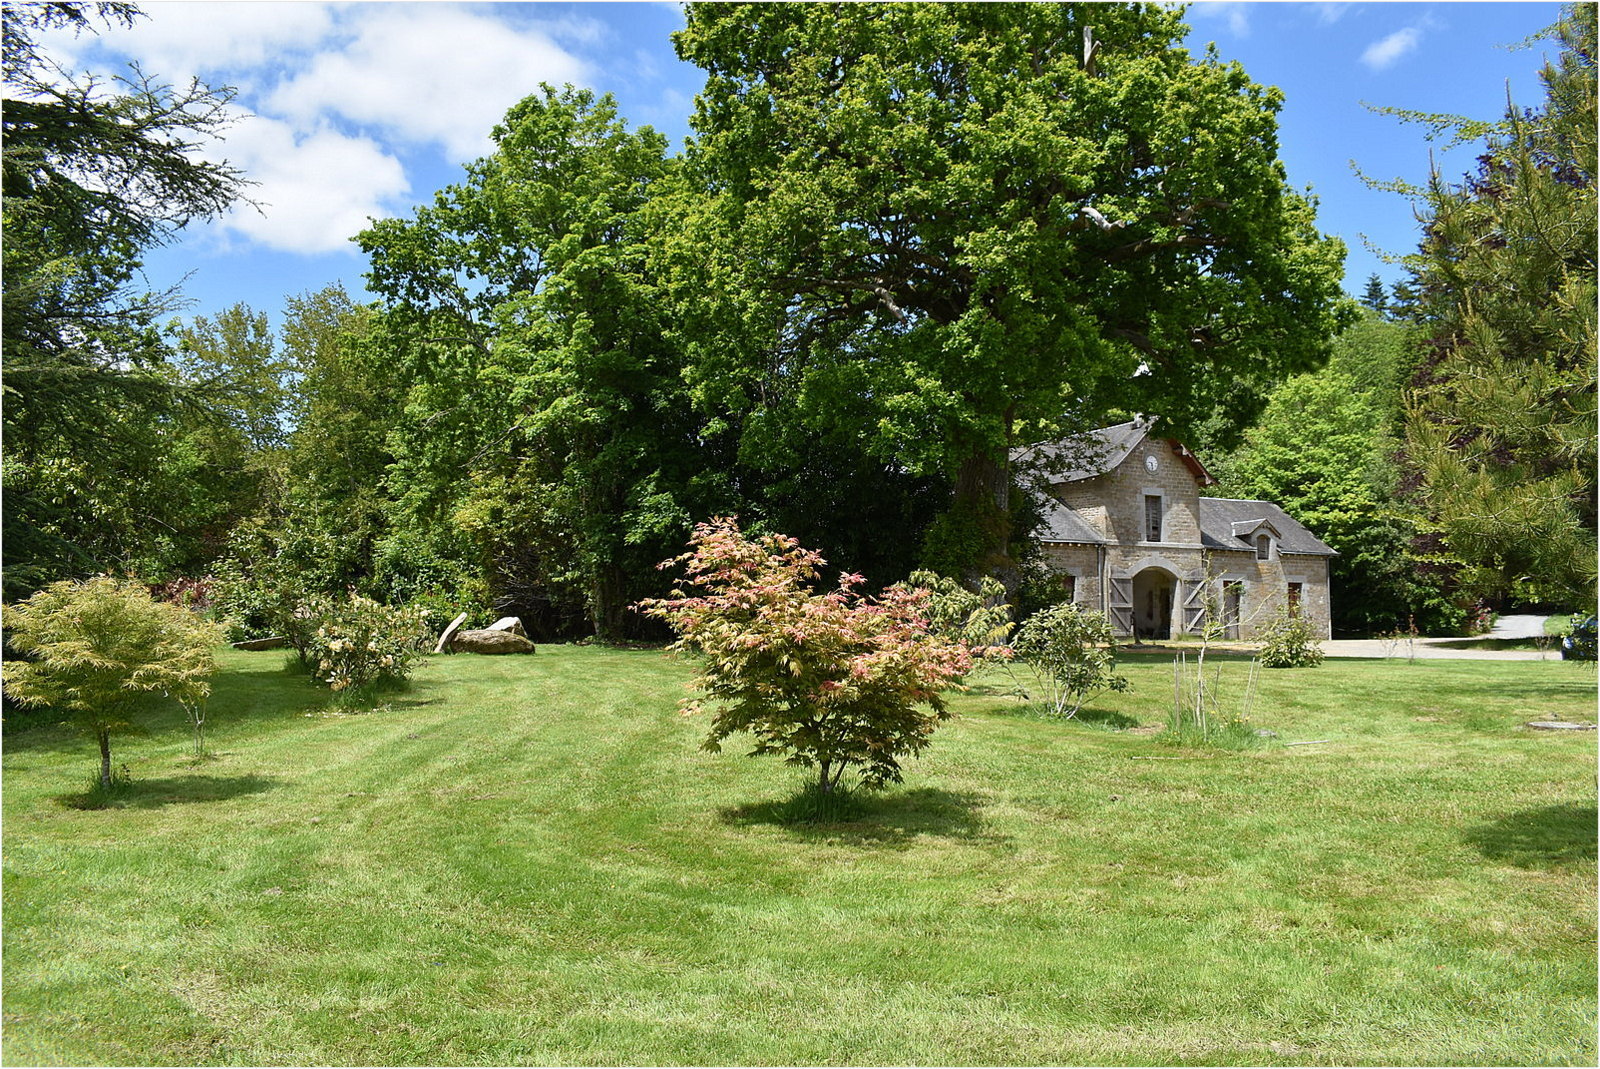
[486, 641]
[276, 642]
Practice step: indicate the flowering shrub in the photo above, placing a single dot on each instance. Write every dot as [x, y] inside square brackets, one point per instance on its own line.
[1286, 641]
[1480, 619]
[358, 642]
[832, 681]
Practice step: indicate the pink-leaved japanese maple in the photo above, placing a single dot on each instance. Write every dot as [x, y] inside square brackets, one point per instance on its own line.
[832, 681]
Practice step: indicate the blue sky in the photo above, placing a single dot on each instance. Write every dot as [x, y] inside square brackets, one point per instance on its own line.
[350, 111]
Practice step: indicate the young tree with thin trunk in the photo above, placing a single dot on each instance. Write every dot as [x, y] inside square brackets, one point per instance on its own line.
[104, 651]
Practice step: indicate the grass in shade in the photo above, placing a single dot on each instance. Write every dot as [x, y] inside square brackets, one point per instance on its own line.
[529, 861]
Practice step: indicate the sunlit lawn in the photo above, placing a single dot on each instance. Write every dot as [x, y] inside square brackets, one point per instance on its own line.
[528, 860]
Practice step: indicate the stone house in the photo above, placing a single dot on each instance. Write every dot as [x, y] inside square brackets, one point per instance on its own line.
[1127, 532]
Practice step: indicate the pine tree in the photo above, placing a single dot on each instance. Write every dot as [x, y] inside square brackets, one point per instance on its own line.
[1501, 430]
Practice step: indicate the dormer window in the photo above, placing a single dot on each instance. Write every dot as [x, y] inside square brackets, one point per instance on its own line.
[1152, 517]
[1263, 546]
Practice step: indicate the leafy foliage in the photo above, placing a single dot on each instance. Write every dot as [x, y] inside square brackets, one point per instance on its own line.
[545, 421]
[832, 681]
[957, 228]
[93, 175]
[979, 620]
[103, 649]
[1324, 450]
[1287, 641]
[1072, 654]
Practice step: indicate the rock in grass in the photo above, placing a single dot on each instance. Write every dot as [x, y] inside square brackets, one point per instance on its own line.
[486, 641]
[277, 642]
[1558, 725]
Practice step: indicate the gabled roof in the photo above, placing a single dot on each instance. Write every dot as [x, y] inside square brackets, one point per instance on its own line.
[1226, 523]
[1086, 455]
[1246, 529]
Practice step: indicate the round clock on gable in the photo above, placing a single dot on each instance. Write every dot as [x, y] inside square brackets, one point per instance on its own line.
[1151, 464]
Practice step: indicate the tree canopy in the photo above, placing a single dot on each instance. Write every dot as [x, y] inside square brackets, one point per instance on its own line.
[958, 228]
[93, 176]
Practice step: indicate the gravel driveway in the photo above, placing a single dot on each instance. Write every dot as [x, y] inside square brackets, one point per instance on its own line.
[1506, 627]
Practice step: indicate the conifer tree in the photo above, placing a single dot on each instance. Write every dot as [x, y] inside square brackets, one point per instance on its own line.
[1501, 429]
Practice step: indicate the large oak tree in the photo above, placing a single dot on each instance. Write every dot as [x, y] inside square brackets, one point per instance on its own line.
[964, 227]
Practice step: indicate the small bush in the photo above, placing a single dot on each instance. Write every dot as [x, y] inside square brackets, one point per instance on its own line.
[357, 644]
[1286, 641]
[830, 681]
[1072, 654]
[104, 652]
[979, 619]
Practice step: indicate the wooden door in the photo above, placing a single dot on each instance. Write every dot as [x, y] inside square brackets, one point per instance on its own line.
[1194, 606]
[1119, 603]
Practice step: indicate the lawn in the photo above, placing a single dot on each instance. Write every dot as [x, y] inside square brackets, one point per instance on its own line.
[529, 861]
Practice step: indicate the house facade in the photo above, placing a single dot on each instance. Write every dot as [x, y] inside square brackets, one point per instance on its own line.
[1127, 531]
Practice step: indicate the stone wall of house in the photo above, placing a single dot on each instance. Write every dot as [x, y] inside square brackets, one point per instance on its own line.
[1114, 502]
[1264, 587]
[1080, 562]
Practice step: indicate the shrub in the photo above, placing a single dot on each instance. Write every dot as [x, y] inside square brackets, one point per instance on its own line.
[980, 620]
[356, 643]
[1286, 641]
[103, 650]
[257, 602]
[832, 681]
[1072, 654]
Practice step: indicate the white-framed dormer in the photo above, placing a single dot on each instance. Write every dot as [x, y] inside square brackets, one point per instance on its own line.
[1260, 535]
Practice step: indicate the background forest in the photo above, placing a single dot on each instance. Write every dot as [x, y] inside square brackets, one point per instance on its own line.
[875, 271]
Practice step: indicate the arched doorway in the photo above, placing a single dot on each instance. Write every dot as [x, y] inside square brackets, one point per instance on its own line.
[1152, 603]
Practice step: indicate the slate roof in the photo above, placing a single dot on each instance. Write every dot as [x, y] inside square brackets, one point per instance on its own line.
[1087, 455]
[1220, 517]
[1063, 524]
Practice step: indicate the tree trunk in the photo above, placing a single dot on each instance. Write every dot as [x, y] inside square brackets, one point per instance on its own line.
[608, 608]
[105, 759]
[982, 502]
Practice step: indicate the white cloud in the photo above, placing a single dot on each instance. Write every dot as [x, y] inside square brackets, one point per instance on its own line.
[1233, 12]
[315, 190]
[331, 96]
[201, 38]
[426, 73]
[1330, 13]
[1380, 55]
